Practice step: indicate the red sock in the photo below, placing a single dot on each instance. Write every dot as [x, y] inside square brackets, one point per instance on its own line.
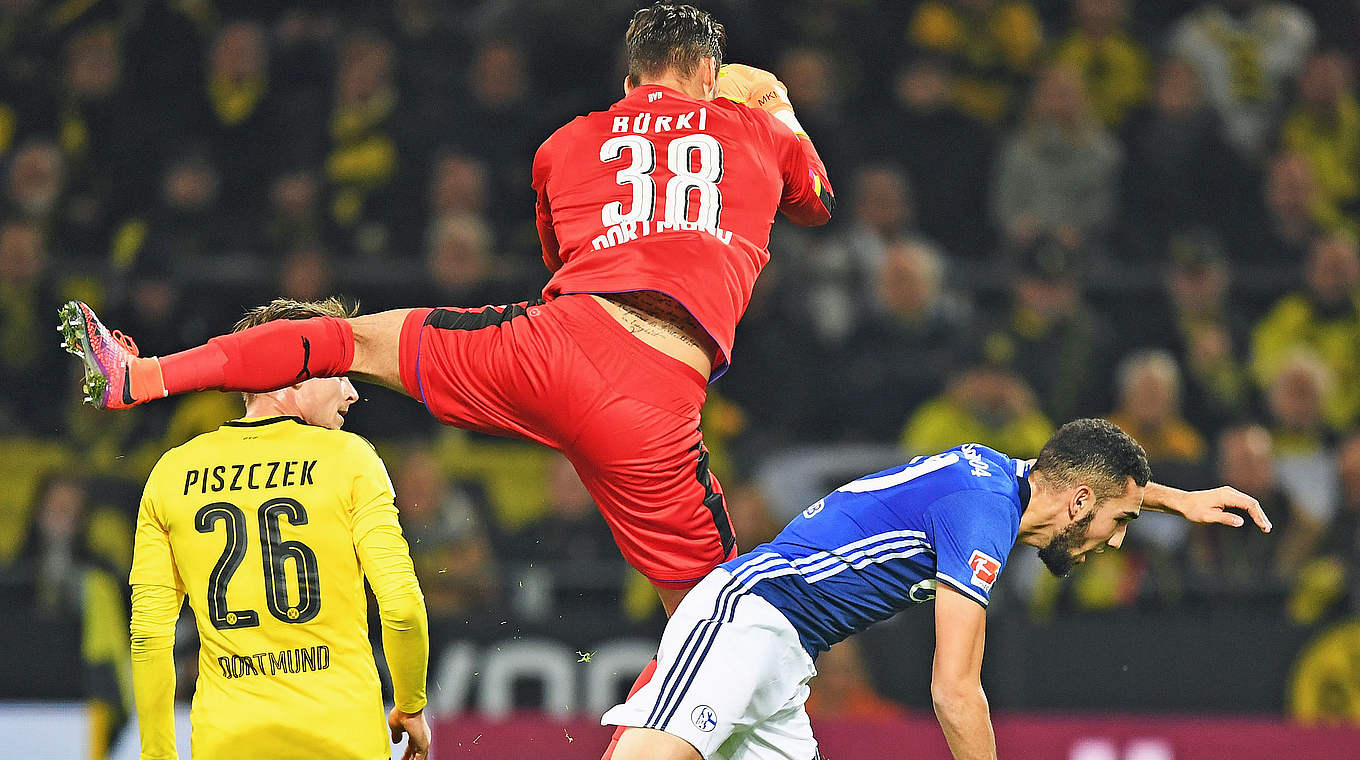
[642, 679]
[266, 358]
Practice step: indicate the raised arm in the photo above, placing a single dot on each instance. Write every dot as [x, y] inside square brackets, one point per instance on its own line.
[1208, 506]
[808, 199]
[956, 675]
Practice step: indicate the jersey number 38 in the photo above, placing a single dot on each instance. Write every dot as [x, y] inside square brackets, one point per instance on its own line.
[692, 181]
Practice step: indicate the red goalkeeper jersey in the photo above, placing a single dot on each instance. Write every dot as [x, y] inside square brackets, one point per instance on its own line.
[667, 193]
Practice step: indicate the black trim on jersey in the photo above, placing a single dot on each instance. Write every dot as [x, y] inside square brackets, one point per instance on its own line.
[476, 319]
[828, 200]
[263, 421]
[714, 501]
[1023, 483]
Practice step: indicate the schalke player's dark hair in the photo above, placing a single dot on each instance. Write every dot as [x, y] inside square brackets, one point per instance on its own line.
[1095, 452]
[668, 36]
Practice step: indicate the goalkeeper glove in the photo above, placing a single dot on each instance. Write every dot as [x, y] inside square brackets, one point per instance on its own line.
[757, 88]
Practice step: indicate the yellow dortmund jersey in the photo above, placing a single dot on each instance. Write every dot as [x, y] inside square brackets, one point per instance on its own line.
[269, 526]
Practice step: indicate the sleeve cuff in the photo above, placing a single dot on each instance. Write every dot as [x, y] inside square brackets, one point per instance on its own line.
[975, 596]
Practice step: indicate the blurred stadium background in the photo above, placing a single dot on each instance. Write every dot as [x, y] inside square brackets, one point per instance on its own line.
[1048, 209]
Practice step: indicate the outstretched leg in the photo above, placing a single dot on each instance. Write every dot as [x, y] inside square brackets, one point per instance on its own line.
[261, 359]
[377, 348]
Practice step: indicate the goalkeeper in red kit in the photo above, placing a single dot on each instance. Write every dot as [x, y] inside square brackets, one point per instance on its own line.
[654, 218]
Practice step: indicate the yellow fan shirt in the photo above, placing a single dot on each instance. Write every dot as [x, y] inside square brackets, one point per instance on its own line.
[270, 526]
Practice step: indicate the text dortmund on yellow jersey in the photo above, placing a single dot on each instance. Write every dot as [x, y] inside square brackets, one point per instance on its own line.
[269, 526]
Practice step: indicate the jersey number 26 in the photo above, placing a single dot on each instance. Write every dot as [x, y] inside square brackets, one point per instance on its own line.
[275, 551]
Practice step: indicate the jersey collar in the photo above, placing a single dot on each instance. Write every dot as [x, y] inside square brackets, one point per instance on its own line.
[1022, 482]
[258, 421]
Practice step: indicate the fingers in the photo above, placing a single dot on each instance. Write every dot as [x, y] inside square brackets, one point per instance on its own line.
[1224, 517]
[1235, 499]
[1258, 515]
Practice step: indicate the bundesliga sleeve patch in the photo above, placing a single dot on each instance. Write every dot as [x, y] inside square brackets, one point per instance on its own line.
[985, 569]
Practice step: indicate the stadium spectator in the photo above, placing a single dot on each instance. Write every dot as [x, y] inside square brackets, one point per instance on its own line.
[1112, 63]
[1246, 53]
[1240, 568]
[106, 143]
[35, 184]
[499, 118]
[1206, 329]
[983, 404]
[1049, 334]
[815, 74]
[28, 403]
[1150, 410]
[446, 527]
[1304, 446]
[306, 273]
[570, 551]
[186, 225]
[947, 152]
[364, 154]
[459, 184]
[239, 117]
[1323, 317]
[72, 561]
[294, 216]
[1325, 129]
[461, 266]
[835, 277]
[1180, 170]
[1278, 237]
[901, 350]
[1335, 572]
[993, 47]
[1057, 171]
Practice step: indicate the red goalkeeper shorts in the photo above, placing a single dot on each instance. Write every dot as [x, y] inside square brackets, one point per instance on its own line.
[565, 374]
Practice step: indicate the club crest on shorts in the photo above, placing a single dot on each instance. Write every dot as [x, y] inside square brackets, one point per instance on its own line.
[704, 718]
[985, 568]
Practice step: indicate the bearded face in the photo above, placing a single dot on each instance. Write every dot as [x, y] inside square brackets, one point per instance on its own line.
[1060, 555]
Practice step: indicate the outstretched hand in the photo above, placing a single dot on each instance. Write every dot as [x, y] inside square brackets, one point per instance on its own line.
[414, 726]
[1211, 506]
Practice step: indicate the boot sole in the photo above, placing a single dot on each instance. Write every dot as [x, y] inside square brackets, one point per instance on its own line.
[75, 340]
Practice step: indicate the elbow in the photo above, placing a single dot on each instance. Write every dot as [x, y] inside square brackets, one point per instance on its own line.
[144, 646]
[404, 611]
[812, 217]
[822, 215]
[954, 697]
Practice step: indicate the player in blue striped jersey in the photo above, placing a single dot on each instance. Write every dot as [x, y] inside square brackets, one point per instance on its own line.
[736, 656]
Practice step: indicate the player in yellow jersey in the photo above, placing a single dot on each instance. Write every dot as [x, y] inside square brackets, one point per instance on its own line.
[269, 525]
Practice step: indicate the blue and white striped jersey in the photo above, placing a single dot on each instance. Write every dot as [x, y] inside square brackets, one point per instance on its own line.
[882, 542]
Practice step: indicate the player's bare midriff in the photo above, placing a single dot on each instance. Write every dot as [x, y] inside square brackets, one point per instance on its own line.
[664, 324]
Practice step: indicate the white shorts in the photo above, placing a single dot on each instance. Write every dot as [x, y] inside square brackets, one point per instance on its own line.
[731, 678]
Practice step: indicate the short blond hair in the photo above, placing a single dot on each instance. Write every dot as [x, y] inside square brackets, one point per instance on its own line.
[286, 308]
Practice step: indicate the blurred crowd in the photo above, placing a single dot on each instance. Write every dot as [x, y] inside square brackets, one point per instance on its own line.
[1047, 209]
